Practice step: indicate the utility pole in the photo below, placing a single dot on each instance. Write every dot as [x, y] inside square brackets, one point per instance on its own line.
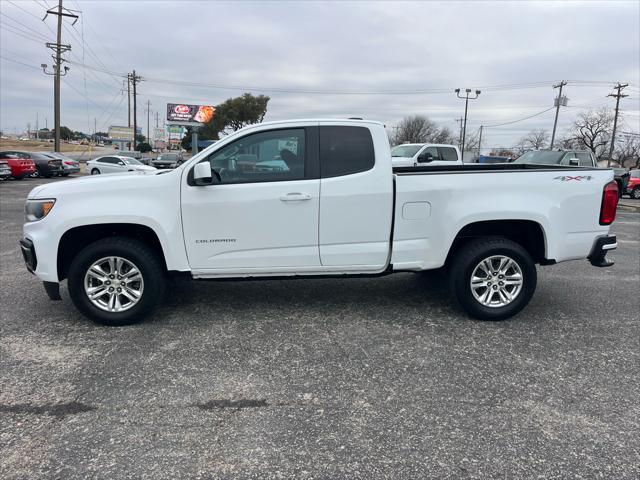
[459, 122]
[560, 100]
[148, 121]
[37, 128]
[58, 48]
[617, 96]
[466, 107]
[95, 130]
[134, 80]
[129, 99]
[480, 140]
[157, 116]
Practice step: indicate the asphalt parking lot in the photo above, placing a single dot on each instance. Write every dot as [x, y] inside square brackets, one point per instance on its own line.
[350, 378]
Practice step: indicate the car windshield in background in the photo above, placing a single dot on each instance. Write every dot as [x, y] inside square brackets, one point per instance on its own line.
[131, 161]
[168, 156]
[405, 150]
[634, 173]
[542, 157]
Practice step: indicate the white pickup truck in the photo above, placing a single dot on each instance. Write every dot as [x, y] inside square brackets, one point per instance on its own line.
[423, 154]
[314, 198]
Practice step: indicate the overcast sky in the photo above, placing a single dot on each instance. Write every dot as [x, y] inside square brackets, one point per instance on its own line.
[368, 47]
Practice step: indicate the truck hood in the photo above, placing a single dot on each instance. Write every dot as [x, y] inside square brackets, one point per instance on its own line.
[94, 183]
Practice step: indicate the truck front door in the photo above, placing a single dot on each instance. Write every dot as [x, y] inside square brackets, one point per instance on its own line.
[262, 216]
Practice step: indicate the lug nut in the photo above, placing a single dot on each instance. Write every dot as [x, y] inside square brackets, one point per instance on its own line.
[119, 289]
[112, 276]
[111, 289]
[500, 283]
[495, 287]
[108, 282]
[488, 284]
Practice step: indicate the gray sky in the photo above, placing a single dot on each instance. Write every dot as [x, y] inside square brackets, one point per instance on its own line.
[327, 46]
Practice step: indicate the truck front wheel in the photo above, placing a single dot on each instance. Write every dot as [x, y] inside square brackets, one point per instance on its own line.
[116, 281]
[492, 278]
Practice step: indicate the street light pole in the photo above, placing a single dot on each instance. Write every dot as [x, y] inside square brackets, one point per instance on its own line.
[466, 107]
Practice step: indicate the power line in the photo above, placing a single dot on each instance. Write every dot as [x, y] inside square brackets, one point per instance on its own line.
[19, 33]
[520, 119]
[16, 61]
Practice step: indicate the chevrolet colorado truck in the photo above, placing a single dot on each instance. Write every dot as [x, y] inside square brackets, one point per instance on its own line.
[328, 203]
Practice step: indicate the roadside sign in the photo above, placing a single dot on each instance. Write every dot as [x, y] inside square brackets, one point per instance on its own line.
[190, 115]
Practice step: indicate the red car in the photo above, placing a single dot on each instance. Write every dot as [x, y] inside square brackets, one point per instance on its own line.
[20, 167]
[633, 187]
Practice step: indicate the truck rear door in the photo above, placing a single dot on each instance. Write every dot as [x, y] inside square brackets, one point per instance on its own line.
[356, 196]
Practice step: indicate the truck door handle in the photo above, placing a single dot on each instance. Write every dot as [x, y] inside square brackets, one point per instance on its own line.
[295, 197]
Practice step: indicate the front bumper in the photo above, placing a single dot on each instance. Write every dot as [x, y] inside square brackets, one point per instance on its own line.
[601, 246]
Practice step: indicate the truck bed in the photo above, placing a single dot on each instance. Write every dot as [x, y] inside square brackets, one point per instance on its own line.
[489, 167]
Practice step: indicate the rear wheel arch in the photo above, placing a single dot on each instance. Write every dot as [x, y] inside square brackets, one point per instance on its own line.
[527, 233]
[76, 239]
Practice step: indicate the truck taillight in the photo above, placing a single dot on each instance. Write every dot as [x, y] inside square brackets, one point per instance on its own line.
[609, 203]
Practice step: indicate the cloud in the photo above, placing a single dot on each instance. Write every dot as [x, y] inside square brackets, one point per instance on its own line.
[347, 46]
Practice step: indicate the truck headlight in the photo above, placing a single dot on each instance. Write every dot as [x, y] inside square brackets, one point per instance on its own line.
[38, 209]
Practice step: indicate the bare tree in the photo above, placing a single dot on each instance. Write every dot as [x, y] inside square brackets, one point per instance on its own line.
[419, 129]
[534, 140]
[628, 150]
[472, 141]
[592, 130]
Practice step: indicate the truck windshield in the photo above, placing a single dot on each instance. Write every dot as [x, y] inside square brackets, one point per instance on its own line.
[544, 157]
[405, 150]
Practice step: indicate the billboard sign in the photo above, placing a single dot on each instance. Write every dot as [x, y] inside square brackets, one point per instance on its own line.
[186, 114]
[123, 134]
[159, 134]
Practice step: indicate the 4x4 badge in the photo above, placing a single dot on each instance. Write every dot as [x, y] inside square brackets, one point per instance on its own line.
[578, 178]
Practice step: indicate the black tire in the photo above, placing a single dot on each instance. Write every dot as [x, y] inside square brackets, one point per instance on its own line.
[143, 257]
[635, 193]
[95, 171]
[36, 174]
[64, 174]
[465, 262]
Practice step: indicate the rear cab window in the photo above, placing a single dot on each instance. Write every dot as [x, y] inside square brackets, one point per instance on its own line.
[448, 154]
[345, 150]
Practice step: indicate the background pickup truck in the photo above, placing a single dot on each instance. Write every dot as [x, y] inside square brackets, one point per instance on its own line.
[421, 154]
[329, 204]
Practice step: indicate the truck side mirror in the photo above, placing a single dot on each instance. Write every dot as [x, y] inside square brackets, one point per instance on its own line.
[203, 175]
[425, 157]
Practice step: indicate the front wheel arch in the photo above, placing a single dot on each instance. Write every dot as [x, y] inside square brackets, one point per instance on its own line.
[75, 239]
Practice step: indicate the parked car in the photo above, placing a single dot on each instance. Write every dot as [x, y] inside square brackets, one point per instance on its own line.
[20, 167]
[167, 160]
[415, 154]
[5, 170]
[46, 165]
[338, 209]
[69, 165]
[116, 164]
[633, 187]
[621, 176]
[581, 158]
[490, 159]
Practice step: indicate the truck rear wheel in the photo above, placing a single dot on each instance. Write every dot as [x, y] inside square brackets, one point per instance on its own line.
[116, 281]
[492, 278]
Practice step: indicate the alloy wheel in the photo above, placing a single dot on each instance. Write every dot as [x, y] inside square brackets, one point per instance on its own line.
[113, 284]
[496, 281]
